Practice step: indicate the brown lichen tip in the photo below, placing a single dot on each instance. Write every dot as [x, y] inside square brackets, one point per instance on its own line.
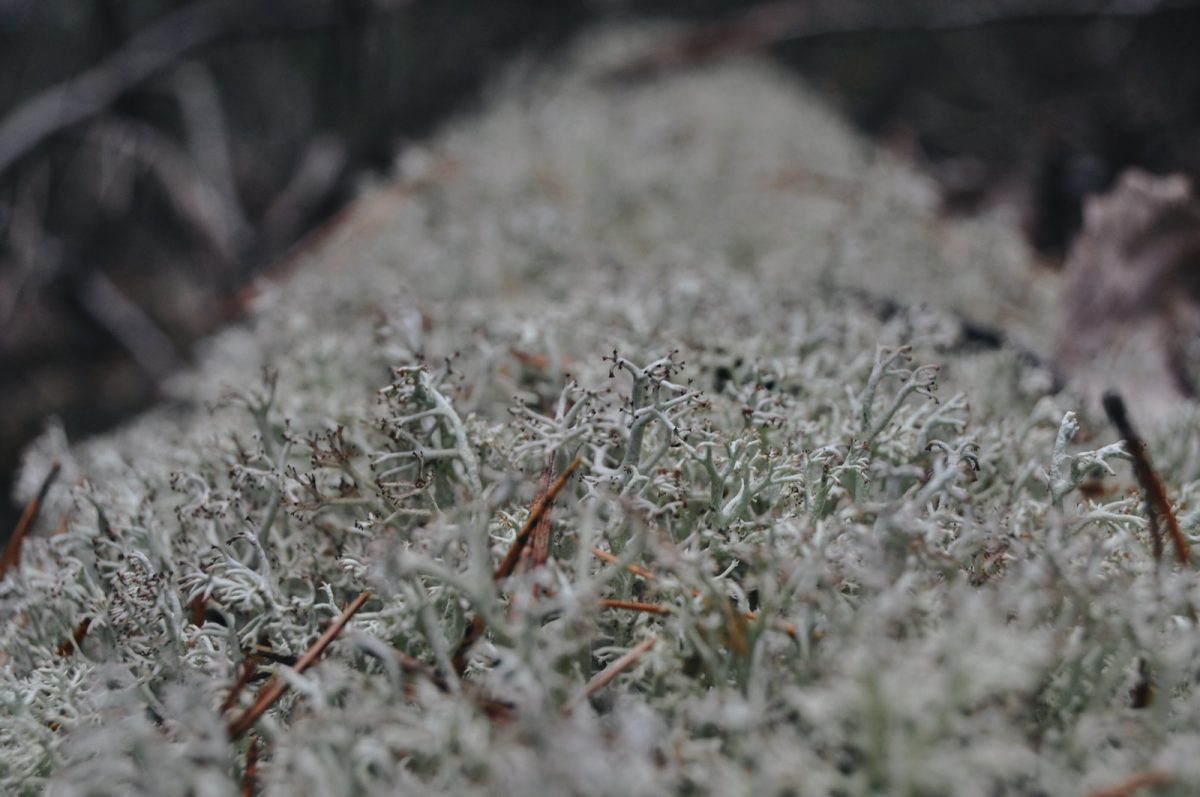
[1157, 504]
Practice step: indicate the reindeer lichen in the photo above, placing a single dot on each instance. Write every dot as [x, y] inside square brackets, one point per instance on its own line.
[817, 542]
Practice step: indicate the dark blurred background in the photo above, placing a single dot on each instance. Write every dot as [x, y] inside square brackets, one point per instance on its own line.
[155, 155]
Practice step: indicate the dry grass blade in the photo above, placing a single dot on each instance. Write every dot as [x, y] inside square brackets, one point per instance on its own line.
[12, 551]
[610, 673]
[1143, 780]
[275, 688]
[1157, 505]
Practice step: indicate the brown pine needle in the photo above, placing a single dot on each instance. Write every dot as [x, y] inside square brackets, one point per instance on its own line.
[782, 626]
[540, 507]
[635, 606]
[497, 711]
[605, 556]
[248, 669]
[270, 654]
[539, 545]
[1157, 504]
[12, 551]
[1142, 780]
[610, 673]
[276, 687]
[250, 774]
[537, 552]
[779, 625]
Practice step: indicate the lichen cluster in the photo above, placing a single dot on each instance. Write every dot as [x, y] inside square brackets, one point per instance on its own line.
[854, 551]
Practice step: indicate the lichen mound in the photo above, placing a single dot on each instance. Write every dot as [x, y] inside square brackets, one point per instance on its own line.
[823, 537]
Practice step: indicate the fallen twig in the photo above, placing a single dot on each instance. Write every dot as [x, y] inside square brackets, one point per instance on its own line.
[12, 551]
[276, 687]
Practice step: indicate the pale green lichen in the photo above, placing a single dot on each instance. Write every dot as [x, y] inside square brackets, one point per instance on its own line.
[749, 327]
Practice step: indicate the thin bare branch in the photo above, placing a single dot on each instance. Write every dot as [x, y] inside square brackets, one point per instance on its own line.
[149, 53]
[794, 20]
[146, 343]
[85, 95]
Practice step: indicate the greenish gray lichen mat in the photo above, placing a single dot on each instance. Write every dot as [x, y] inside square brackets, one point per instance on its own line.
[818, 541]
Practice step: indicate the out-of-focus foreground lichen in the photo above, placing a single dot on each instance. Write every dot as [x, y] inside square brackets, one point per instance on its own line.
[854, 551]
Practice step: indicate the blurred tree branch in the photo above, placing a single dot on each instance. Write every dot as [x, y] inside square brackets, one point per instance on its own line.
[791, 20]
[150, 52]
